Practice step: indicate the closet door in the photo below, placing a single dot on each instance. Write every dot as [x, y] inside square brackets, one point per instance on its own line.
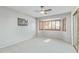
[78, 28]
[75, 32]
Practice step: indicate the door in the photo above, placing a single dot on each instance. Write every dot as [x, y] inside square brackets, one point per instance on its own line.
[78, 28]
[76, 31]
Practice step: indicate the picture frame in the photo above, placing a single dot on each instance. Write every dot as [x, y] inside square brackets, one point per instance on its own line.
[22, 22]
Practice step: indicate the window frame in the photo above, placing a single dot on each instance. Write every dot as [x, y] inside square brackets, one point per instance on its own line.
[51, 25]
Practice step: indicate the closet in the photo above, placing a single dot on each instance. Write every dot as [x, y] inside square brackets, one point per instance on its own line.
[76, 30]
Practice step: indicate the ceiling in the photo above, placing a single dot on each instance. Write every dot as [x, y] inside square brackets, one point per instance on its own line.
[31, 10]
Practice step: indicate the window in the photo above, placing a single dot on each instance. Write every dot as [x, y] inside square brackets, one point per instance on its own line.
[53, 25]
[64, 24]
[40, 25]
[45, 25]
[50, 25]
[57, 25]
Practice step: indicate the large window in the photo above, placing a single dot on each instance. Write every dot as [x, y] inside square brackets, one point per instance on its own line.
[55, 25]
[50, 25]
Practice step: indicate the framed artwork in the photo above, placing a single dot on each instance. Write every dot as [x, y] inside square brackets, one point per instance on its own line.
[22, 22]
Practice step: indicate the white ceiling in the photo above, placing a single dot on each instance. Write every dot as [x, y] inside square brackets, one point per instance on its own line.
[30, 10]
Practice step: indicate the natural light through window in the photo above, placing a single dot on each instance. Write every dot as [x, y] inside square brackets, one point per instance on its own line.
[54, 25]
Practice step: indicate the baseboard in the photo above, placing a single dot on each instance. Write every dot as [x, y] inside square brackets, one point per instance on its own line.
[13, 43]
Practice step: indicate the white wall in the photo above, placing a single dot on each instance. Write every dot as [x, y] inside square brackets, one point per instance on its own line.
[66, 36]
[10, 33]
